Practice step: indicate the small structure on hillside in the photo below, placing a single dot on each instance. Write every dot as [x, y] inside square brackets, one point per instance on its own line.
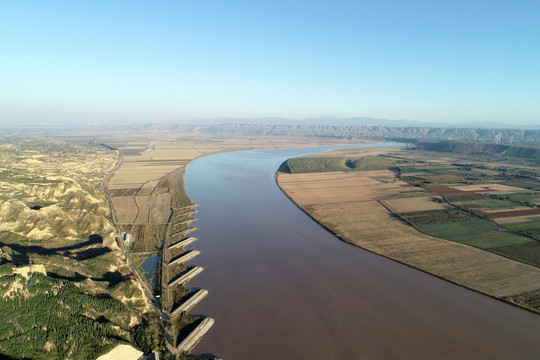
[128, 277]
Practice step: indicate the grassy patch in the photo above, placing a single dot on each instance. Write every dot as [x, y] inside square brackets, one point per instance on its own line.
[325, 164]
[480, 233]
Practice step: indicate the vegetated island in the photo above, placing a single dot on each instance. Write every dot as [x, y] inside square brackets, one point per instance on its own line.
[466, 212]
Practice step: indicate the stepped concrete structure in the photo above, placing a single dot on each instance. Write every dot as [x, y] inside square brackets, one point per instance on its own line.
[187, 276]
[182, 243]
[186, 257]
[190, 303]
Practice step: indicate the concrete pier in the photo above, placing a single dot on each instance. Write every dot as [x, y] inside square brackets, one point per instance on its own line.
[185, 222]
[187, 276]
[189, 213]
[183, 243]
[184, 258]
[191, 302]
[193, 338]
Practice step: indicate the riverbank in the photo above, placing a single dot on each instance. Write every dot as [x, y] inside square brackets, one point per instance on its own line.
[349, 206]
[314, 297]
[151, 205]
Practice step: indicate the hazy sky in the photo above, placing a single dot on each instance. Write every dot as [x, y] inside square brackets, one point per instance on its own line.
[164, 60]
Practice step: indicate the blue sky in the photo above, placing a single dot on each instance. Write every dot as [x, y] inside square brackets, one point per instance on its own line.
[436, 61]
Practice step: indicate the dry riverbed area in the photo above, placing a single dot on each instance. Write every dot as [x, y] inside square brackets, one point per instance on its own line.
[434, 212]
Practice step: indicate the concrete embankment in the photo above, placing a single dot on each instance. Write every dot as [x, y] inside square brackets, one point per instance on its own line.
[183, 243]
[187, 276]
[182, 259]
[193, 338]
[191, 302]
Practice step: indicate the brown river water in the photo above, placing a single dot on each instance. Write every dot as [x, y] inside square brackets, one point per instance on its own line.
[282, 287]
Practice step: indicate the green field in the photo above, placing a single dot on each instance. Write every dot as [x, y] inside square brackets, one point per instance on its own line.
[529, 228]
[479, 233]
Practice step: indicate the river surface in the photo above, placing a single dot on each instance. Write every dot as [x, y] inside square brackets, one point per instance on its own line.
[282, 287]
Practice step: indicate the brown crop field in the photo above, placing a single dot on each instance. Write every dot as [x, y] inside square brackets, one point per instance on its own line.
[514, 213]
[126, 209]
[452, 192]
[416, 204]
[516, 219]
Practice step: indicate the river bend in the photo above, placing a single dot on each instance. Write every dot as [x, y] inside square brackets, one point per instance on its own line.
[282, 287]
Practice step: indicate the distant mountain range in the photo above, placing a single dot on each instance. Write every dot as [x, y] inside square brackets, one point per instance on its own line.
[317, 121]
[357, 121]
[352, 128]
[401, 133]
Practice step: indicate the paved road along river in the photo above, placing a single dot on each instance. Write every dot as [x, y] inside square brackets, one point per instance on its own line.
[282, 287]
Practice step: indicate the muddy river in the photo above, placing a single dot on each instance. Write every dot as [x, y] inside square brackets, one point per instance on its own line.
[282, 287]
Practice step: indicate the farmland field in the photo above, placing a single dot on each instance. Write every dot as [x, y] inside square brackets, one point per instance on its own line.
[454, 243]
[339, 186]
[432, 217]
[478, 233]
[416, 204]
[516, 219]
[126, 209]
[370, 226]
[491, 188]
[488, 204]
[143, 204]
[160, 208]
[513, 213]
[527, 252]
